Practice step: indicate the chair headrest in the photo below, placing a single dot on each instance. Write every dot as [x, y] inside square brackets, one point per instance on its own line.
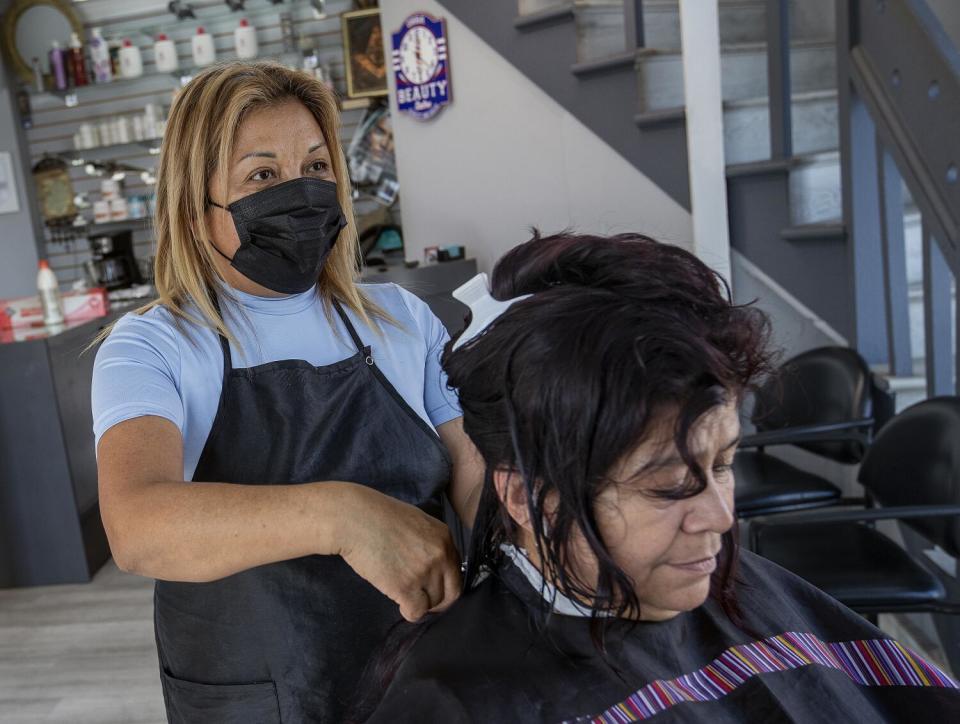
[915, 460]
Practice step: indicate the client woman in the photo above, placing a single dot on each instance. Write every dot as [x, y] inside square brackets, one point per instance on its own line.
[604, 580]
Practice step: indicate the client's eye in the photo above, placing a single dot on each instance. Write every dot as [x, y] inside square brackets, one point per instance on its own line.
[723, 471]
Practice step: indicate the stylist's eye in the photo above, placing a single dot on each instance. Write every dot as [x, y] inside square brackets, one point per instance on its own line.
[264, 174]
[319, 167]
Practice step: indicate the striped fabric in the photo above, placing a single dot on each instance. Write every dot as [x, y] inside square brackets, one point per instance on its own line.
[873, 662]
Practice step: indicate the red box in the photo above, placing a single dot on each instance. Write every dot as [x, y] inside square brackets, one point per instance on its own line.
[81, 306]
[77, 307]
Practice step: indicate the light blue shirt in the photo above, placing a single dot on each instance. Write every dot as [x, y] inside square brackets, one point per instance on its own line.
[151, 366]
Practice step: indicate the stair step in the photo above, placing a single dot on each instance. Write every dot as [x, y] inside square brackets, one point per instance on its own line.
[651, 119]
[759, 168]
[600, 23]
[746, 125]
[815, 232]
[529, 7]
[740, 21]
[610, 63]
[907, 389]
[743, 72]
[600, 31]
[815, 189]
[746, 129]
[546, 17]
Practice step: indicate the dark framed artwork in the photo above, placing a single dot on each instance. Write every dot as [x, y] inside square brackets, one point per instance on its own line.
[365, 61]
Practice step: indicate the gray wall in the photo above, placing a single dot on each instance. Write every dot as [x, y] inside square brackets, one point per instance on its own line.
[948, 11]
[19, 232]
[505, 157]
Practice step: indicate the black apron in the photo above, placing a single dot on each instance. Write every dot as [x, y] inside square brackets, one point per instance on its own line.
[287, 642]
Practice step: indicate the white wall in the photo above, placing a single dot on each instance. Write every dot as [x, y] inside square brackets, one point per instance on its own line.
[504, 157]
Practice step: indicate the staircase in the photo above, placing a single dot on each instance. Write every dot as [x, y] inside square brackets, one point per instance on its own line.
[622, 77]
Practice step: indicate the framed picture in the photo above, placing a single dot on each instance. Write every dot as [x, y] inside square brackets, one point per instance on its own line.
[363, 53]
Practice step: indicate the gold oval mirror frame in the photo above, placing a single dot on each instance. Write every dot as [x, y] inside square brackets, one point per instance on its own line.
[22, 65]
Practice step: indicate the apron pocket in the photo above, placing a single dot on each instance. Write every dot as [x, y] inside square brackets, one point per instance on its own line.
[190, 703]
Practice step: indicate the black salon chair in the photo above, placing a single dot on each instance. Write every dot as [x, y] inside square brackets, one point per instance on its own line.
[912, 469]
[825, 401]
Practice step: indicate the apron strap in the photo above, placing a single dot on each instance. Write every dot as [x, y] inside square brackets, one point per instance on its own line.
[361, 348]
[224, 342]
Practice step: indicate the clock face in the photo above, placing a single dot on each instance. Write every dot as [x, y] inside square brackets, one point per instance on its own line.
[419, 58]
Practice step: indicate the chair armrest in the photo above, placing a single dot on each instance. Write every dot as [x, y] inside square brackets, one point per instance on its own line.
[833, 432]
[898, 512]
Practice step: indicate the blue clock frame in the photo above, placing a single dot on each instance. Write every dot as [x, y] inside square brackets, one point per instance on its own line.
[423, 98]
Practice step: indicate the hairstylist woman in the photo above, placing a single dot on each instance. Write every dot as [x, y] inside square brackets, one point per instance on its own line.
[267, 429]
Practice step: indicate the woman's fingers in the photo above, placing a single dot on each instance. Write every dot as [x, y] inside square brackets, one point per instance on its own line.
[451, 582]
[405, 553]
[415, 605]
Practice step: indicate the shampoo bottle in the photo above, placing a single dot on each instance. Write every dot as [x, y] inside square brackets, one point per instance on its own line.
[203, 50]
[165, 54]
[131, 62]
[245, 39]
[100, 56]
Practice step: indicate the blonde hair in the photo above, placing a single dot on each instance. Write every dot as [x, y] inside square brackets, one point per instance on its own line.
[197, 143]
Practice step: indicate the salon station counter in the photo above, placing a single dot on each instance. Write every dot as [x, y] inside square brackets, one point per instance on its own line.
[50, 526]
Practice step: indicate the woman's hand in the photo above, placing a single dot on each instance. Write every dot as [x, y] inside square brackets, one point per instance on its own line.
[404, 553]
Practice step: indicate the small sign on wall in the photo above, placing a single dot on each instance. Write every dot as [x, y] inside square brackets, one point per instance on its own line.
[421, 66]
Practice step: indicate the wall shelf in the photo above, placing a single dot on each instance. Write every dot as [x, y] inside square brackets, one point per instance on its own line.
[79, 156]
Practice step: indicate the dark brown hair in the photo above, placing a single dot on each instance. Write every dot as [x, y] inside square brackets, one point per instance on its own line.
[621, 333]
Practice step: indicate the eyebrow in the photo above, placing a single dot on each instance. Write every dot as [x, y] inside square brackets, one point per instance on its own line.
[675, 460]
[270, 154]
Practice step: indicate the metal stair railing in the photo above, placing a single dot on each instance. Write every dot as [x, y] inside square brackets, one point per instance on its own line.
[899, 87]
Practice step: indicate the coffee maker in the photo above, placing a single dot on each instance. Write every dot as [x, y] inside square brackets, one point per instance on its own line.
[113, 264]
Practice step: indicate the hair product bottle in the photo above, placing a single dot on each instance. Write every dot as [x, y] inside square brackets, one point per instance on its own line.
[165, 54]
[203, 51]
[100, 56]
[58, 66]
[49, 290]
[78, 66]
[131, 62]
[245, 40]
[37, 76]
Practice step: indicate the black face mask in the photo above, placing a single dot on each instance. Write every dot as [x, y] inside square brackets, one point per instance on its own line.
[286, 233]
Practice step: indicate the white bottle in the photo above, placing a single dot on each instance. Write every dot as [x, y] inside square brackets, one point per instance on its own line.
[49, 290]
[100, 57]
[165, 54]
[245, 40]
[203, 51]
[131, 62]
[151, 121]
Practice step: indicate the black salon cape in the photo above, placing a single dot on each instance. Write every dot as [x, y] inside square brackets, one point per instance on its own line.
[483, 661]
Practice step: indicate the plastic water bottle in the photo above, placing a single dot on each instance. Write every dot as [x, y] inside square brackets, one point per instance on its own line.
[49, 290]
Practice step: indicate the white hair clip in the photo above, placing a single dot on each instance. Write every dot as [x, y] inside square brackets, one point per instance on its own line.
[483, 307]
